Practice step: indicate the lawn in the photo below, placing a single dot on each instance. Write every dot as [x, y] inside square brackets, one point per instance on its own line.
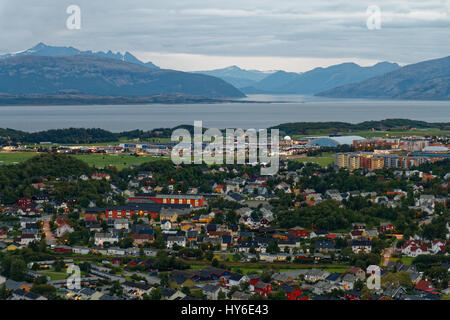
[322, 161]
[399, 133]
[15, 157]
[55, 275]
[118, 161]
[369, 134]
[97, 160]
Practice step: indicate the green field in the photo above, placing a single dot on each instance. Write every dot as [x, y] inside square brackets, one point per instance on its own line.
[425, 132]
[15, 157]
[322, 161]
[55, 275]
[97, 160]
[118, 161]
[370, 134]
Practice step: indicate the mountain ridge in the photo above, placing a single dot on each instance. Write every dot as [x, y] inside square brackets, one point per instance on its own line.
[319, 79]
[426, 80]
[100, 76]
[41, 49]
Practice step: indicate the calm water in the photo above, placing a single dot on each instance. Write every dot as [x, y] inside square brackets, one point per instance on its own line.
[283, 109]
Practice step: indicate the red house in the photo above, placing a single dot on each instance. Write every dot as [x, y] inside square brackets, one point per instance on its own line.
[299, 232]
[62, 249]
[263, 288]
[192, 200]
[292, 292]
[253, 279]
[423, 285]
[385, 226]
[23, 202]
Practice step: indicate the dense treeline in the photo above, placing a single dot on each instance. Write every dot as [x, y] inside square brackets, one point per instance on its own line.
[83, 136]
[76, 135]
[329, 215]
[439, 168]
[310, 127]
[16, 180]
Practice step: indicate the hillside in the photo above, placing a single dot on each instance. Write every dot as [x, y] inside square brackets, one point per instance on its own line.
[41, 49]
[236, 76]
[427, 80]
[93, 75]
[319, 79]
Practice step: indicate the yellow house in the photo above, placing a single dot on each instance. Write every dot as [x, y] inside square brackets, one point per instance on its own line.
[13, 247]
[205, 218]
[171, 216]
[179, 282]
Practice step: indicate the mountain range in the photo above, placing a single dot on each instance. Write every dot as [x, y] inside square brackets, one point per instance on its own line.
[318, 79]
[427, 80]
[238, 77]
[64, 71]
[100, 76]
[41, 49]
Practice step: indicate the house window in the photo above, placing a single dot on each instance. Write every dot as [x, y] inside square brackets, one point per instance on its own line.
[180, 201]
[172, 201]
[188, 201]
[164, 200]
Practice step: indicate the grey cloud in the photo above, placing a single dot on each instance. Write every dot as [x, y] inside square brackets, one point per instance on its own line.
[411, 30]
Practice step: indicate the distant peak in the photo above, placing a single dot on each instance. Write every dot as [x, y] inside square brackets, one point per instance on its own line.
[382, 63]
[40, 45]
[234, 67]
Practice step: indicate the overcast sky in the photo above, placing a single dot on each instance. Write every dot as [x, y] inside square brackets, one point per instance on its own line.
[293, 35]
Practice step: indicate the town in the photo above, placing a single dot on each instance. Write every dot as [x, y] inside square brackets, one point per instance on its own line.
[157, 230]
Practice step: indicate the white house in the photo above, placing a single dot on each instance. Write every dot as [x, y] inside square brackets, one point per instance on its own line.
[63, 229]
[101, 238]
[172, 240]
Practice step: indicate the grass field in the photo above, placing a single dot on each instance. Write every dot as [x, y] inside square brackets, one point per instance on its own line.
[322, 161]
[15, 157]
[369, 134]
[426, 132]
[97, 160]
[118, 161]
[55, 275]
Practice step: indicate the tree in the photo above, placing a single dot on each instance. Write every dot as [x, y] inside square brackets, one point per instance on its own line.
[439, 276]
[266, 276]
[186, 291]
[18, 269]
[58, 265]
[116, 289]
[126, 242]
[272, 247]
[366, 293]
[40, 280]
[4, 293]
[44, 289]
[278, 295]
[221, 295]
[401, 278]
[359, 284]
[244, 285]
[209, 255]
[156, 294]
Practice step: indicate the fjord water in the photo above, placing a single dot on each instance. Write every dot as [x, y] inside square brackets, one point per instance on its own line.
[259, 114]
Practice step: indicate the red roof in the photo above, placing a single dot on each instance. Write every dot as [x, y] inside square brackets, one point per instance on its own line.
[423, 285]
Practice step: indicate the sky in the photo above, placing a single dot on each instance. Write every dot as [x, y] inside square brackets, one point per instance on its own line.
[188, 35]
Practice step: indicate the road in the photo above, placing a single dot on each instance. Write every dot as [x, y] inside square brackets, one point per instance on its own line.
[49, 237]
[387, 253]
